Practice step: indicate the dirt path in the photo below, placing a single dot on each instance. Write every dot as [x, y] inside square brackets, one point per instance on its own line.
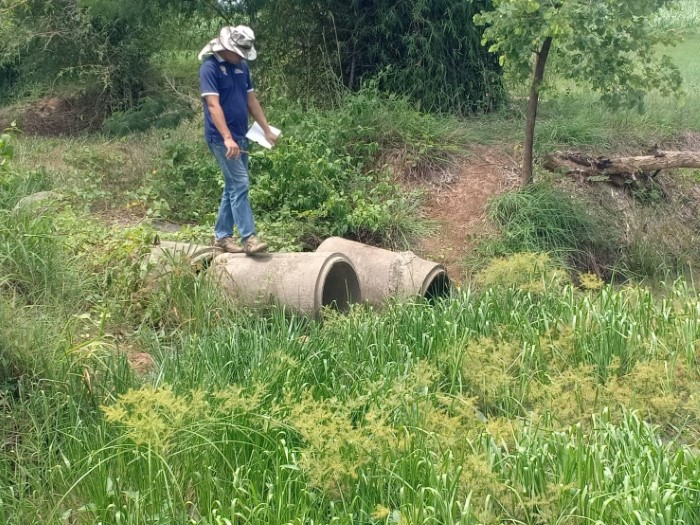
[459, 207]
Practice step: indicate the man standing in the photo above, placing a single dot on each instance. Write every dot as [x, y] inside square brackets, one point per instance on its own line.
[228, 96]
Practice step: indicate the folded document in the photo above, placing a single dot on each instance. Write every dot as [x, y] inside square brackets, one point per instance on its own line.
[256, 134]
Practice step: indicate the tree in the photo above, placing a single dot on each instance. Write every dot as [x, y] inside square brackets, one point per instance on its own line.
[427, 50]
[608, 44]
[102, 44]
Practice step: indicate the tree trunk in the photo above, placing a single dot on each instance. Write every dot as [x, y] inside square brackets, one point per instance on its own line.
[541, 60]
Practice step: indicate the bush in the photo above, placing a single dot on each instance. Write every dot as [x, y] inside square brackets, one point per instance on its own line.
[156, 113]
[430, 52]
[539, 218]
[533, 272]
[328, 176]
[186, 184]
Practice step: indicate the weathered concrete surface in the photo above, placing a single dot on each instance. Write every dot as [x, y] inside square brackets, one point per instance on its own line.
[384, 274]
[304, 282]
[39, 199]
[167, 253]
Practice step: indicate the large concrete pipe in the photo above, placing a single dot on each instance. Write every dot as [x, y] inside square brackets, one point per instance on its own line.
[166, 253]
[305, 282]
[385, 274]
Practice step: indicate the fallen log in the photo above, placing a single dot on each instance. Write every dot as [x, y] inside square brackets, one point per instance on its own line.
[579, 164]
[637, 174]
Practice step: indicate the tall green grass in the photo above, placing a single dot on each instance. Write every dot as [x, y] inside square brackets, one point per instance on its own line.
[540, 218]
[503, 405]
[683, 14]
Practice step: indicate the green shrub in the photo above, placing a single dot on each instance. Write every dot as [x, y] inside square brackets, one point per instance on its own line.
[186, 184]
[535, 272]
[329, 175]
[430, 51]
[156, 113]
[540, 218]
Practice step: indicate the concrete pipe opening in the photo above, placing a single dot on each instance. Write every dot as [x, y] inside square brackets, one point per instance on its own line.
[384, 274]
[339, 285]
[436, 285]
[304, 282]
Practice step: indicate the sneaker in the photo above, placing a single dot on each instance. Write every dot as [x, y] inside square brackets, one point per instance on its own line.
[229, 245]
[254, 245]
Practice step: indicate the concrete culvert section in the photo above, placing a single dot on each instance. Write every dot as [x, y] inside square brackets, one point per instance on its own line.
[168, 253]
[384, 274]
[193, 253]
[304, 282]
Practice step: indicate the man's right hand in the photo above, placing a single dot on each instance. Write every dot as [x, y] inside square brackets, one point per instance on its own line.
[232, 149]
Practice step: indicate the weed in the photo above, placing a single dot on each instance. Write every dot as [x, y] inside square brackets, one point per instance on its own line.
[541, 219]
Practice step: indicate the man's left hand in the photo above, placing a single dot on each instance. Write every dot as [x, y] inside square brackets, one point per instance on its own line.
[271, 137]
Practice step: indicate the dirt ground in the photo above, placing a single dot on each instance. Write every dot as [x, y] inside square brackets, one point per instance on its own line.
[55, 116]
[459, 207]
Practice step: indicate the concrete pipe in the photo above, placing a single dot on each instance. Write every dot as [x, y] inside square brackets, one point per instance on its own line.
[385, 274]
[166, 253]
[305, 282]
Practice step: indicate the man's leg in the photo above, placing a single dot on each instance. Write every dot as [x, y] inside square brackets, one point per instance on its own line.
[224, 219]
[236, 186]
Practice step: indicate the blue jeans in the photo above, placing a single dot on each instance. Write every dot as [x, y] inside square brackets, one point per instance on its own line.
[235, 207]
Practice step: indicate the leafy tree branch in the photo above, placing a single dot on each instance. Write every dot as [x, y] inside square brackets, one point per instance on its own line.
[607, 44]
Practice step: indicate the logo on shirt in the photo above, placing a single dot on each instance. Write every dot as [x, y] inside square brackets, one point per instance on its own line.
[223, 69]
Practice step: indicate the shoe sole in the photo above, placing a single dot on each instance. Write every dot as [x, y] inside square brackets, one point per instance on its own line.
[240, 250]
[261, 249]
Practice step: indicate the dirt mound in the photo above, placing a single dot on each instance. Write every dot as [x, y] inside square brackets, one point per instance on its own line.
[53, 116]
[459, 207]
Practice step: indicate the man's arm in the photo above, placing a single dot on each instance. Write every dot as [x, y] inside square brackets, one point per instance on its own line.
[258, 114]
[217, 117]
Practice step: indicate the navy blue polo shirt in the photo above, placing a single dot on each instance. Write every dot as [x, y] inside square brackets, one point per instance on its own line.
[232, 83]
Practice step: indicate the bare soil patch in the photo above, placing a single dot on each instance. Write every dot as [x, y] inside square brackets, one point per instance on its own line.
[459, 207]
[55, 115]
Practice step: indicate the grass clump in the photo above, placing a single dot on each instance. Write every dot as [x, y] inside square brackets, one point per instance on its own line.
[532, 272]
[31, 263]
[679, 15]
[540, 218]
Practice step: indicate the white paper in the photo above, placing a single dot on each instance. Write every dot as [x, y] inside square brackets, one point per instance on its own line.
[256, 134]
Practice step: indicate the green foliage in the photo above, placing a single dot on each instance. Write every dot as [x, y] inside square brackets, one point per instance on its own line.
[535, 272]
[325, 178]
[679, 14]
[31, 262]
[541, 219]
[6, 150]
[15, 184]
[320, 180]
[428, 413]
[426, 50]
[106, 47]
[151, 112]
[608, 44]
[186, 183]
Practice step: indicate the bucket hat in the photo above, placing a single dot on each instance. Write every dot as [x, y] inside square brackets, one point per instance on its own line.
[239, 39]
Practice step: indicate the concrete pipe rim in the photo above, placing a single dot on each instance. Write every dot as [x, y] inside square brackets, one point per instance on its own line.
[337, 285]
[436, 284]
